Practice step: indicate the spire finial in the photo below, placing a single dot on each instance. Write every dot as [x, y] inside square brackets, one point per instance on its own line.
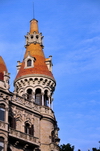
[33, 11]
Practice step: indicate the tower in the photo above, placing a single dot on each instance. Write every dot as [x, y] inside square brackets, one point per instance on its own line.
[31, 123]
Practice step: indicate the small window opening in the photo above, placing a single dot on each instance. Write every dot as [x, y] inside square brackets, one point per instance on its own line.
[45, 98]
[31, 36]
[37, 36]
[12, 122]
[29, 94]
[27, 127]
[38, 97]
[29, 62]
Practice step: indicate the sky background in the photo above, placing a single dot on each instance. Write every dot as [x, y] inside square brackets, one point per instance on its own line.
[71, 30]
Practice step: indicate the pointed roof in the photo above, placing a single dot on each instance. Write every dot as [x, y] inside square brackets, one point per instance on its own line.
[35, 51]
[2, 68]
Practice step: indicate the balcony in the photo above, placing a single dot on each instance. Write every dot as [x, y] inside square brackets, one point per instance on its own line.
[20, 136]
[39, 109]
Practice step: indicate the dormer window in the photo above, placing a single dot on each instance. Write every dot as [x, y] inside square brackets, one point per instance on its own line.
[29, 62]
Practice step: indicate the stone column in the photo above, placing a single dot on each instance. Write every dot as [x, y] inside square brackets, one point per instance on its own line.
[42, 99]
[5, 145]
[6, 115]
[33, 96]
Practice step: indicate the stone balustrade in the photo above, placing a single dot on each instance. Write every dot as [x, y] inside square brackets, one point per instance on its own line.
[44, 110]
[22, 136]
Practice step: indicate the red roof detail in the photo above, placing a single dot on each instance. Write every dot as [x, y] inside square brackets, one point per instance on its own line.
[40, 67]
[2, 68]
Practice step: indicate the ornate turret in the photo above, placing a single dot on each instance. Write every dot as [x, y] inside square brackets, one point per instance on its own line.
[34, 79]
[27, 120]
[4, 75]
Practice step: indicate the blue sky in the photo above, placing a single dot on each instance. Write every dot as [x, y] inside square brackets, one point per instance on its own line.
[71, 30]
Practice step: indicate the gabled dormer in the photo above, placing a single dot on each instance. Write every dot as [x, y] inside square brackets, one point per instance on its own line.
[29, 61]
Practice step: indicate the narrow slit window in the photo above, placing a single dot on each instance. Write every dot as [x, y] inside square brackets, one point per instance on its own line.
[27, 128]
[29, 63]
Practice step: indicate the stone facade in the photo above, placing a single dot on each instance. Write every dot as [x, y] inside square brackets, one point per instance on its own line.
[27, 120]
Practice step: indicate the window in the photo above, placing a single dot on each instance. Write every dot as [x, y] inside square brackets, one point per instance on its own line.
[29, 129]
[12, 122]
[1, 144]
[2, 112]
[31, 36]
[45, 98]
[37, 36]
[38, 97]
[29, 62]
[29, 94]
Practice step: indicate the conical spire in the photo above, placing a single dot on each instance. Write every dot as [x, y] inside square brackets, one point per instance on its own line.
[34, 26]
[35, 53]
[2, 68]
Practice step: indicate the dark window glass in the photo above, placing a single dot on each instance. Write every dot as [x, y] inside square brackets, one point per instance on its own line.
[29, 94]
[45, 98]
[38, 97]
[29, 62]
[27, 127]
[31, 130]
[2, 112]
[12, 122]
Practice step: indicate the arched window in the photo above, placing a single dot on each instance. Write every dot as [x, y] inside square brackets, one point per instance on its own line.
[1, 144]
[29, 62]
[29, 129]
[29, 94]
[45, 98]
[2, 112]
[38, 97]
[12, 122]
